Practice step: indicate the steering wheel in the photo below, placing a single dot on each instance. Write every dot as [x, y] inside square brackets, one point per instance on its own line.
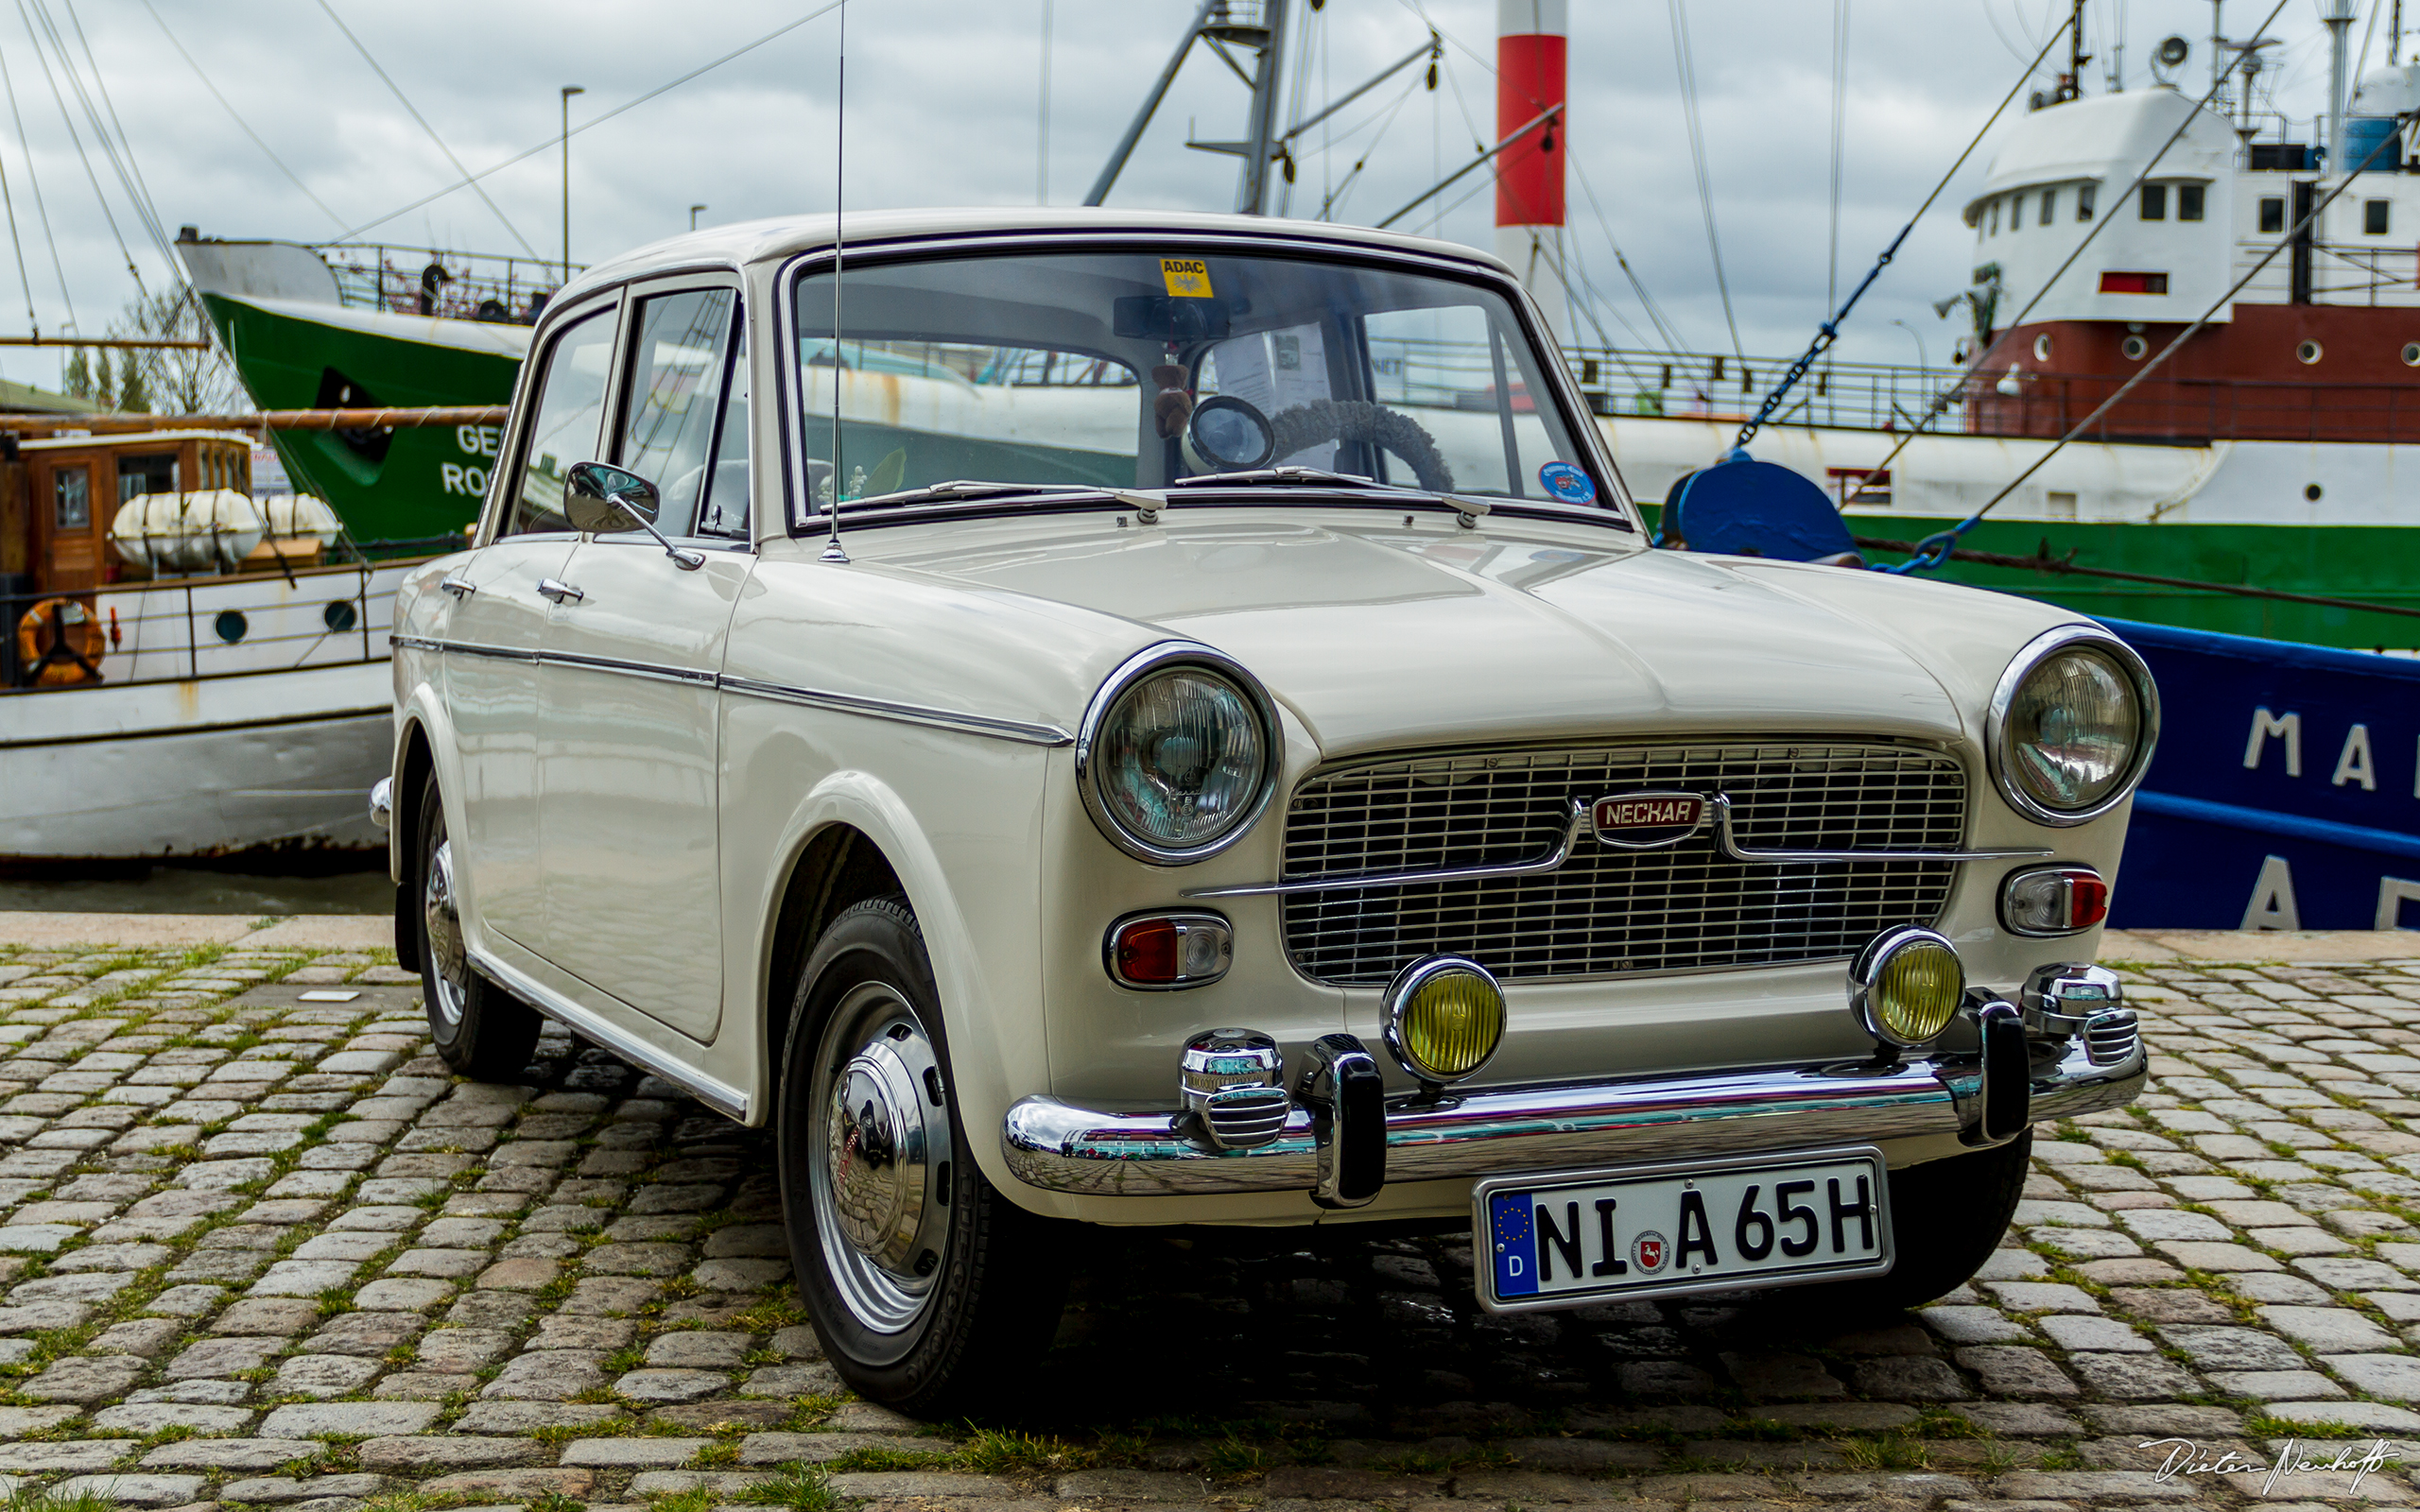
[1322, 421]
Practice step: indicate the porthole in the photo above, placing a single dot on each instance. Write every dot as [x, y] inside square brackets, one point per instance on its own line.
[339, 616]
[2311, 492]
[2133, 348]
[231, 625]
[2411, 353]
[2042, 349]
[2306, 353]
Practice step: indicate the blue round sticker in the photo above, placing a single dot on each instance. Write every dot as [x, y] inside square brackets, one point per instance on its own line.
[1567, 483]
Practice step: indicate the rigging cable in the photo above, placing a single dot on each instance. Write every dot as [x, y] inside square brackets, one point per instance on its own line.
[125, 144]
[196, 66]
[1839, 111]
[1830, 331]
[1948, 395]
[1931, 550]
[33, 321]
[68, 117]
[42, 207]
[1681, 56]
[425, 127]
[553, 142]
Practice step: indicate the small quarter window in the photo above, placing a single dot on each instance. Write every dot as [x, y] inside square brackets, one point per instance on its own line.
[2155, 201]
[2272, 216]
[676, 368]
[2373, 215]
[2188, 201]
[2084, 196]
[2049, 206]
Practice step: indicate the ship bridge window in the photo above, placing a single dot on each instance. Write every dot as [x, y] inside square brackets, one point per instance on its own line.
[2374, 217]
[2049, 207]
[2155, 201]
[2015, 212]
[2272, 216]
[2084, 196]
[2188, 201]
[1996, 217]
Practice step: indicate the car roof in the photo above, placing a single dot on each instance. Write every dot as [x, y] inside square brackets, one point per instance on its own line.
[771, 240]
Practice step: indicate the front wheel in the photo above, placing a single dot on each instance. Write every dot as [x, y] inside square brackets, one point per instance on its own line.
[926, 1286]
[480, 1030]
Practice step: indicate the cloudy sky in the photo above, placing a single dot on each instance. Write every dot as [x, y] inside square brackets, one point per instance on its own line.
[946, 105]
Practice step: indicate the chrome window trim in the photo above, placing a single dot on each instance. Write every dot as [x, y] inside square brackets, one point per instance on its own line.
[2037, 651]
[1143, 663]
[906, 714]
[1622, 514]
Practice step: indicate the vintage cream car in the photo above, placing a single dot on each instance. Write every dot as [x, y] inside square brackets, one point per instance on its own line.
[1232, 759]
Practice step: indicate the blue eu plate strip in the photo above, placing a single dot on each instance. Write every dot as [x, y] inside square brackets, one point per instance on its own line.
[1515, 1246]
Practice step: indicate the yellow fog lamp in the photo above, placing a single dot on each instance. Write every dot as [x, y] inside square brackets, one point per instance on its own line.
[1906, 986]
[1445, 1018]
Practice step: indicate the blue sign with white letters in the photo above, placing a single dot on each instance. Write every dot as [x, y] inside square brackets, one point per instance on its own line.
[1516, 1244]
[1567, 483]
[2285, 793]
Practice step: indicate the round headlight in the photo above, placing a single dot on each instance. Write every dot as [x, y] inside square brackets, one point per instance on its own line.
[1906, 986]
[2076, 714]
[1445, 1018]
[1176, 759]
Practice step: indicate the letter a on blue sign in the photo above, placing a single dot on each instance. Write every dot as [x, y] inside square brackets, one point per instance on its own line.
[1516, 1245]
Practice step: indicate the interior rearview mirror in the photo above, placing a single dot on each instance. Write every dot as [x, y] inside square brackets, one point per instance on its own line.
[602, 498]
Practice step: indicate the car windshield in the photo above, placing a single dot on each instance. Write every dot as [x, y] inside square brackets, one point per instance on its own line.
[1141, 369]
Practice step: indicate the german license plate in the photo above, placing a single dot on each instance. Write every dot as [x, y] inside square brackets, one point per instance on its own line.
[1561, 1239]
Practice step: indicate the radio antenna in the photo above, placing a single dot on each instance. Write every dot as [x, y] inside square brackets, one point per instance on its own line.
[832, 551]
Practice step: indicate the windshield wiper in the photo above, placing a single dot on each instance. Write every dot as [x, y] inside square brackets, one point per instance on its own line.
[1288, 475]
[964, 488]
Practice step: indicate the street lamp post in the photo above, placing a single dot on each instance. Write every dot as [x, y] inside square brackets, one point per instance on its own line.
[569, 90]
[693, 215]
[1922, 363]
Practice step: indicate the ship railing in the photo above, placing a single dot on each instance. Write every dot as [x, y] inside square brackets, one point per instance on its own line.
[180, 629]
[473, 285]
[1879, 396]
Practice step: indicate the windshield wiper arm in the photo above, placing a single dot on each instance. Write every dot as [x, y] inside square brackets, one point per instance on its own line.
[964, 489]
[1320, 476]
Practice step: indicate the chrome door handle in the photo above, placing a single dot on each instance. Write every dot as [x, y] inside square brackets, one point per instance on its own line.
[559, 592]
[461, 588]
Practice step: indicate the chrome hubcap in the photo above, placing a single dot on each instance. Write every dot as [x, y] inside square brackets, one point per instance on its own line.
[442, 925]
[879, 1161]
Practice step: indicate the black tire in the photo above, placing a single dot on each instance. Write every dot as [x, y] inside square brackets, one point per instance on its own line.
[1947, 1217]
[946, 1287]
[482, 1031]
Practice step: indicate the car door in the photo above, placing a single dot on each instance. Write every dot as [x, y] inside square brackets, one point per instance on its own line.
[629, 727]
[495, 626]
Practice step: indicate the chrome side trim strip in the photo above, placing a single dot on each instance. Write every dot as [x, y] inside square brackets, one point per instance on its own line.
[633, 669]
[1732, 848]
[500, 653]
[729, 1101]
[1060, 1146]
[1554, 859]
[906, 714]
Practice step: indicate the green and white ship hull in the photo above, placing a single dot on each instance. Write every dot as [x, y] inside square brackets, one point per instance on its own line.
[297, 344]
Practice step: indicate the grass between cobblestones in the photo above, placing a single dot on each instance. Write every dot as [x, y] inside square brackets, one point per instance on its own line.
[265, 1253]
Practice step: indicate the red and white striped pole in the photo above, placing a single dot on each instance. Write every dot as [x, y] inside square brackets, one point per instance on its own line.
[1531, 37]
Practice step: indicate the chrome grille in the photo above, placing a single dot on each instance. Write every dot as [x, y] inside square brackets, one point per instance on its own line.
[1609, 911]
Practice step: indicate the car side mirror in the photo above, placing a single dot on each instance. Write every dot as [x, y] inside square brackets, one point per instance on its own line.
[599, 498]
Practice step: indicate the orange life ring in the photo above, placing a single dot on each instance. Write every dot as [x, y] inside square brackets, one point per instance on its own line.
[59, 643]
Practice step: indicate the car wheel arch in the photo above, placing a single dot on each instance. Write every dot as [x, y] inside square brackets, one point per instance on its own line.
[414, 760]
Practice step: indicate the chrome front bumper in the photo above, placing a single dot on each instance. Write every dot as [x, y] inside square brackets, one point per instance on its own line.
[1061, 1147]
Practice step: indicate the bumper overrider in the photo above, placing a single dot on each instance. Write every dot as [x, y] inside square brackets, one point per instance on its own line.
[2068, 1046]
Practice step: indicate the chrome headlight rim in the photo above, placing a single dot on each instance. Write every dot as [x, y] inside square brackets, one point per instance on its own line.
[2036, 652]
[1146, 663]
[1867, 970]
[1397, 1002]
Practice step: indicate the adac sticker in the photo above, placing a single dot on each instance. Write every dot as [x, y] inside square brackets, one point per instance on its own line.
[1187, 278]
[1563, 480]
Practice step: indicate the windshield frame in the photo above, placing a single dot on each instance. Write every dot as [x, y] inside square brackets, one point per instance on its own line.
[1618, 511]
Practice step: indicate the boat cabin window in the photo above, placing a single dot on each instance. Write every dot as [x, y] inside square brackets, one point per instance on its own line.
[2374, 217]
[2272, 216]
[565, 424]
[2188, 201]
[71, 493]
[2155, 201]
[1138, 368]
[2085, 192]
[154, 474]
[2049, 206]
[676, 371]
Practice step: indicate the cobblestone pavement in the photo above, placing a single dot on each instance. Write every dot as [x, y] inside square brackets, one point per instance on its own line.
[258, 1249]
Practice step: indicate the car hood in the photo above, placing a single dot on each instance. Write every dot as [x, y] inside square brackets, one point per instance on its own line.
[1438, 634]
